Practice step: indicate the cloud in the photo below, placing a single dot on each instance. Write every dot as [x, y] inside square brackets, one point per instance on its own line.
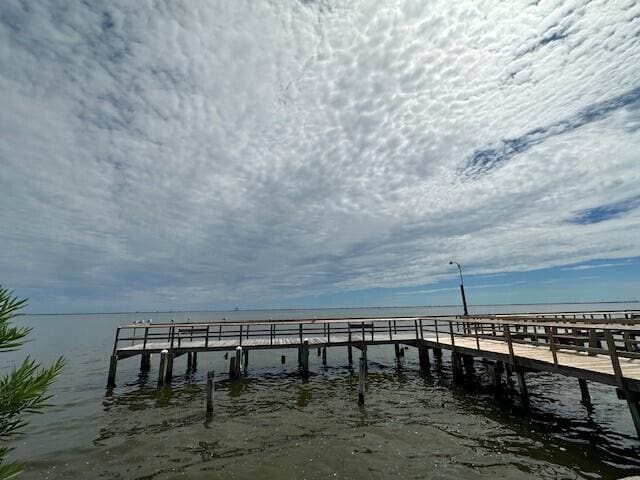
[244, 152]
[598, 265]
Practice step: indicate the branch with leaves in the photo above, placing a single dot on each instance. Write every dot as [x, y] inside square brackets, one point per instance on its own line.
[24, 389]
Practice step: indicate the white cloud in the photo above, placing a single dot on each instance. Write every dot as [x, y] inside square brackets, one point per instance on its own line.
[248, 151]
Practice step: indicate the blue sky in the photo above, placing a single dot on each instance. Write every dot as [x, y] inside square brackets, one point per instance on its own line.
[325, 153]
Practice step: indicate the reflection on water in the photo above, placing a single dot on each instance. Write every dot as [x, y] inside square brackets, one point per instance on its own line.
[275, 424]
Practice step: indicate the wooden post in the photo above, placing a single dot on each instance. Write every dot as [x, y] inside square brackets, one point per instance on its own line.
[194, 361]
[246, 361]
[362, 379]
[456, 364]
[396, 347]
[210, 393]
[324, 356]
[232, 368]
[145, 362]
[495, 374]
[238, 364]
[633, 400]
[552, 344]
[170, 357]
[522, 384]
[584, 391]
[350, 354]
[319, 350]
[113, 365]
[437, 353]
[423, 354]
[507, 334]
[162, 370]
[467, 360]
[189, 361]
[305, 357]
[283, 359]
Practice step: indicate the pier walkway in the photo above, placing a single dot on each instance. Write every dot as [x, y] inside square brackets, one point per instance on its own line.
[602, 347]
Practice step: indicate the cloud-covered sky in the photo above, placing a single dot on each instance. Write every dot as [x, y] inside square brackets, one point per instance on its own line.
[160, 154]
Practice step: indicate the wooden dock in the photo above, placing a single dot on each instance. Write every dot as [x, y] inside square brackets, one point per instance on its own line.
[600, 347]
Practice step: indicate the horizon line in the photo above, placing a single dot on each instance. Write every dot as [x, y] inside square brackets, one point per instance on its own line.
[329, 308]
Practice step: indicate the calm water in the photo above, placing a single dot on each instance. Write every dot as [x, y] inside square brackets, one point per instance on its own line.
[273, 424]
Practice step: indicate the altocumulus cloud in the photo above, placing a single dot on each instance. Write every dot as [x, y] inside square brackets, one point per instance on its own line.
[210, 153]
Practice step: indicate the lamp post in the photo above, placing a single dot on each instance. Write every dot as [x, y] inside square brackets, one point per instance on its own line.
[464, 298]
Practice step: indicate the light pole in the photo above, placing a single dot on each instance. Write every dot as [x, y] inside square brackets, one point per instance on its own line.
[464, 298]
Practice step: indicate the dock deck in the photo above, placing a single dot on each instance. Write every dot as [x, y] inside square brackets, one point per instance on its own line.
[598, 347]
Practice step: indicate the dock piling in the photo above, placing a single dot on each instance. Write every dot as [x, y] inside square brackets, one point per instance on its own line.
[210, 393]
[246, 361]
[113, 366]
[283, 359]
[194, 361]
[305, 357]
[324, 356]
[495, 374]
[456, 365]
[145, 362]
[584, 391]
[350, 355]
[162, 370]
[522, 384]
[232, 368]
[237, 373]
[362, 377]
[423, 355]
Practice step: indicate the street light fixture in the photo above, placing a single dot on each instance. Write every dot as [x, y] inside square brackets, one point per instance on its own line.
[464, 298]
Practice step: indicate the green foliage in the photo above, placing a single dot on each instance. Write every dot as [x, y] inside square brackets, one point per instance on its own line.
[24, 389]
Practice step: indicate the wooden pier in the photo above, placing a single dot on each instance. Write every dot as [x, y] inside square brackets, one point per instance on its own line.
[600, 347]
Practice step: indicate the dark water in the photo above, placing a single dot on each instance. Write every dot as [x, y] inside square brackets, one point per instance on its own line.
[274, 424]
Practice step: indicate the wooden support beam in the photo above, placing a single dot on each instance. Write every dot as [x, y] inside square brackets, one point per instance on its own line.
[162, 369]
[495, 375]
[145, 362]
[305, 357]
[194, 361]
[584, 391]
[456, 365]
[437, 353]
[324, 356]
[283, 359]
[238, 363]
[423, 355]
[232, 368]
[350, 354]
[210, 393]
[113, 366]
[633, 401]
[189, 361]
[396, 347]
[467, 360]
[522, 384]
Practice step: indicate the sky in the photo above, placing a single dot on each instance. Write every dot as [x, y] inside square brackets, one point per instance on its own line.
[263, 154]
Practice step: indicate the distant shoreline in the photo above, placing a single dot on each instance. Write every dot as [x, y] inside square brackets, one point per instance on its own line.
[329, 308]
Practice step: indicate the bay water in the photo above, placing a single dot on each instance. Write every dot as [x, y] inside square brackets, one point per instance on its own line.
[275, 424]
